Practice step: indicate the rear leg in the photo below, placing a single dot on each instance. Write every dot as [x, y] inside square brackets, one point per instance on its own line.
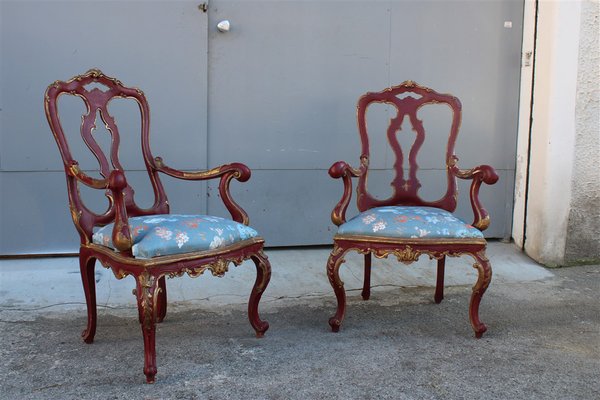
[87, 268]
[439, 285]
[366, 291]
[161, 311]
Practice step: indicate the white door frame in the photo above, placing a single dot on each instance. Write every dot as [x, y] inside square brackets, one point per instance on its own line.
[524, 127]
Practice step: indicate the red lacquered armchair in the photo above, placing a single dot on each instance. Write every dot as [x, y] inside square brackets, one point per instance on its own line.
[148, 244]
[404, 225]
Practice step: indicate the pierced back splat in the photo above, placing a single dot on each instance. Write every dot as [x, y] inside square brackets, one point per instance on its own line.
[97, 90]
[406, 98]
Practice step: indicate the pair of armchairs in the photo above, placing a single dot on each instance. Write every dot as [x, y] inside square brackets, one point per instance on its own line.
[151, 244]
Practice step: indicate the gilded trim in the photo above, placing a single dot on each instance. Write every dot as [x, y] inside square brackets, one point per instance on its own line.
[482, 265]
[410, 84]
[466, 173]
[217, 268]
[336, 259]
[265, 266]
[401, 241]
[192, 175]
[148, 298]
[76, 215]
[483, 223]
[406, 254]
[452, 161]
[172, 258]
[93, 73]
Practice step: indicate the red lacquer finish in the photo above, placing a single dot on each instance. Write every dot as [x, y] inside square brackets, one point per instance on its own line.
[407, 99]
[150, 274]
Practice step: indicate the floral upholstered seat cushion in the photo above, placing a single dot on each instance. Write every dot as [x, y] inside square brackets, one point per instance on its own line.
[165, 234]
[409, 222]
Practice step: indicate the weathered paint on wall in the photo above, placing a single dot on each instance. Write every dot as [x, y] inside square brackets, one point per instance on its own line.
[553, 131]
[583, 231]
[562, 224]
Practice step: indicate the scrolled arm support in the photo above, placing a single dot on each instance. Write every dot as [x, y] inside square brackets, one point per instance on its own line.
[342, 170]
[116, 184]
[226, 172]
[480, 174]
[121, 236]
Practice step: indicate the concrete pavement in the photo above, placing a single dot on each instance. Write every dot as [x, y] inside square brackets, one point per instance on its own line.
[543, 339]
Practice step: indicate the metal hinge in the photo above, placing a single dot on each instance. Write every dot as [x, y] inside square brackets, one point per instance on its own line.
[203, 7]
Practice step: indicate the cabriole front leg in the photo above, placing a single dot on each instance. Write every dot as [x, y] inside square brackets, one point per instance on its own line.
[482, 264]
[333, 266]
[86, 266]
[147, 293]
[263, 276]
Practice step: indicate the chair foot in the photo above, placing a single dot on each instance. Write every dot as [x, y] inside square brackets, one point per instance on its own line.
[261, 333]
[86, 266]
[87, 336]
[333, 266]
[335, 324]
[263, 276]
[479, 334]
[484, 269]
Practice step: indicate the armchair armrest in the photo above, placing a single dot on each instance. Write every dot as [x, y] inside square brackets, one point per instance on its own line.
[226, 172]
[342, 170]
[74, 171]
[116, 184]
[482, 173]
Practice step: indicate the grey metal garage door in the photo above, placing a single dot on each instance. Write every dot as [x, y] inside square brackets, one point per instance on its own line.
[160, 46]
[283, 86]
[277, 92]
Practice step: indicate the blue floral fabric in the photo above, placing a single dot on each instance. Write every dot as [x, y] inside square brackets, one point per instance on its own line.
[165, 234]
[408, 222]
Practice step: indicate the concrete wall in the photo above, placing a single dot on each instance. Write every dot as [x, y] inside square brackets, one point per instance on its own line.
[583, 229]
[564, 136]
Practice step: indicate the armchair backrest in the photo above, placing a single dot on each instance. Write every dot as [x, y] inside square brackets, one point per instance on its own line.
[96, 100]
[406, 99]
